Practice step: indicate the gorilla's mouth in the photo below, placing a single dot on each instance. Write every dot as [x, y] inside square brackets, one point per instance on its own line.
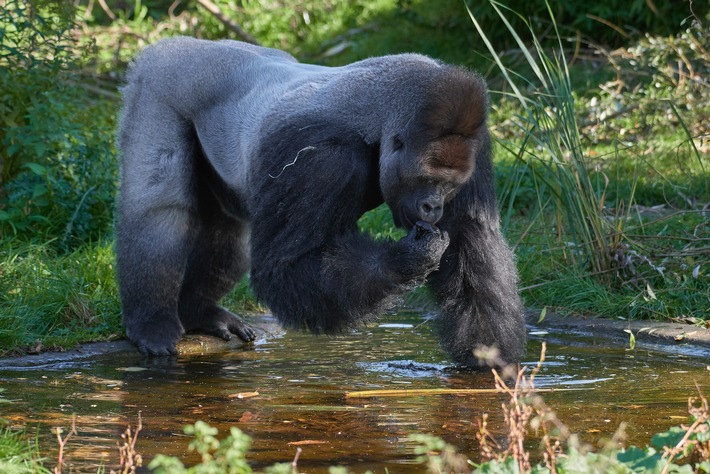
[404, 219]
[401, 219]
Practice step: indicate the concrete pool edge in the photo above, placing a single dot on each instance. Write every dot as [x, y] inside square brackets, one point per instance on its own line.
[656, 334]
[613, 332]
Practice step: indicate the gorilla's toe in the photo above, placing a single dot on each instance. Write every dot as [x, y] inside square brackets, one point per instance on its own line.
[153, 350]
[224, 324]
[155, 338]
[245, 332]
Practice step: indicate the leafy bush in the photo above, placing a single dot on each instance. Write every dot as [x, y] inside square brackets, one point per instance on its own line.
[58, 171]
[608, 22]
[227, 456]
[36, 48]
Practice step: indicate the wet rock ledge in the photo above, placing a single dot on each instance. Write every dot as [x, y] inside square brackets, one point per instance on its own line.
[673, 337]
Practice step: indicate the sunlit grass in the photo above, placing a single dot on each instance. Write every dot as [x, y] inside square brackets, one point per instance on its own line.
[552, 149]
[57, 300]
[579, 208]
[19, 452]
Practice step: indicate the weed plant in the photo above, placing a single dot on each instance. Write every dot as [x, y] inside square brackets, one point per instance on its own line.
[587, 244]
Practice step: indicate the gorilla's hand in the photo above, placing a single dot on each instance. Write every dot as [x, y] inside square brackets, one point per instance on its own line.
[418, 254]
[155, 337]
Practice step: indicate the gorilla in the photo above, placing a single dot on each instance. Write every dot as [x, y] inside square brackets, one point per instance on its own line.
[238, 158]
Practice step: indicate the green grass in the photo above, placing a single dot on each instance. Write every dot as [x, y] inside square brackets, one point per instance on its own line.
[50, 300]
[662, 278]
[19, 452]
[591, 214]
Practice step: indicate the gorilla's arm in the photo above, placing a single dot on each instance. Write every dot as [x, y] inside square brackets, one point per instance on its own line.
[476, 285]
[310, 264]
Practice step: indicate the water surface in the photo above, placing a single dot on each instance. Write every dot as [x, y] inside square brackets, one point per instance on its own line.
[301, 382]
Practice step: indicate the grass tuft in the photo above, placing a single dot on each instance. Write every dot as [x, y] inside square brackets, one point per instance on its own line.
[52, 300]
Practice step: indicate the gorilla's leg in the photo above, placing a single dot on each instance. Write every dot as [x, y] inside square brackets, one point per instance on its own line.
[152, 254]
[477, 289]
[217, 261]
[157, 218]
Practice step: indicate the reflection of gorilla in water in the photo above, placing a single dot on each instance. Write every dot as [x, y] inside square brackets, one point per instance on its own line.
[237, 157]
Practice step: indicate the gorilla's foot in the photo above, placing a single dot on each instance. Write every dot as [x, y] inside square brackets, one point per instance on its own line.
[219, 322]
[155, 338]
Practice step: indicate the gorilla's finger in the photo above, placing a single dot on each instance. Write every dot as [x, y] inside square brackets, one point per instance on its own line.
[245, 333]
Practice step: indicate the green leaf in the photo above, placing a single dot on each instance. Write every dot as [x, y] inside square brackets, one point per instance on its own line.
[668, 438]
[703, 436]
[286, 468]
[649, 461]
[38, 190]
[642, 461]
[37, 169]
[509, 466]
[162, 464]
[12, 149]
[543, 313]
[577, 463]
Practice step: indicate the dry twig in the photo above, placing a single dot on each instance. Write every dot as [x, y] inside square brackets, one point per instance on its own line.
[217, 13]
[62, 442]
[129, 459]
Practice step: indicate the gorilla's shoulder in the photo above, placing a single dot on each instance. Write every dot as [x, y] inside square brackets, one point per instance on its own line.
[401, 61]
[187, 50]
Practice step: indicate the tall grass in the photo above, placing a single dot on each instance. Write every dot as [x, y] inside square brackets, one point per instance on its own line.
[50, 300]
[585, 214]
[19, 452]
[552, 150]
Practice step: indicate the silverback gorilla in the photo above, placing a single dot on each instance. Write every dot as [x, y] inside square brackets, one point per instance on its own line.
[238, 157]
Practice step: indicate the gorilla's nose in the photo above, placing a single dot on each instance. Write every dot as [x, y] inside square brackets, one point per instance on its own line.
[430, 209]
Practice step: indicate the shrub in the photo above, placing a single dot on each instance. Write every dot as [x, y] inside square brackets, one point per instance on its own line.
[57, 174]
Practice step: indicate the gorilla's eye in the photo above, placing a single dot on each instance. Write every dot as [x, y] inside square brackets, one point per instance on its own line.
[397, 143]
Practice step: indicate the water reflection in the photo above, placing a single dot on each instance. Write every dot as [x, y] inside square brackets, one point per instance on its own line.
[296, 386]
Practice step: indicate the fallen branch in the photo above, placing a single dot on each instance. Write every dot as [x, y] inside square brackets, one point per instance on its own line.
[417, 392]
[214, 10]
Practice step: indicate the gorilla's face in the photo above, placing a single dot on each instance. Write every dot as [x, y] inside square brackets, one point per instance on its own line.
[418, 176]
[426, 155]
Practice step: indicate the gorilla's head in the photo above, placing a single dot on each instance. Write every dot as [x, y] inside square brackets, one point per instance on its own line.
[429, 155]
